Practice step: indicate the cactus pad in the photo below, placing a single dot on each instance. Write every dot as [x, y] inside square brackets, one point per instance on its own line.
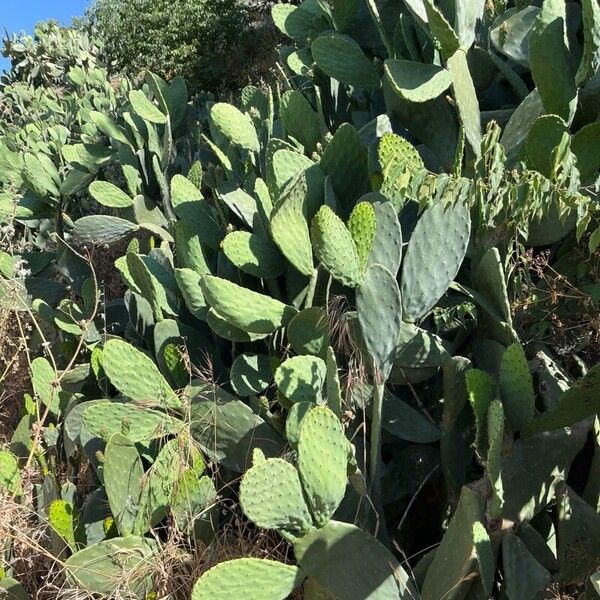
[415, 81]
[242, 578]
[516, 387]
[362, 225]
[308, 331]
[254, 254]
[234, 125]
[335, 248]
[110, 195]
[387, 245]
[435, 254]
[248, 310]
[136, 375]
[322, 462]
[251, 374]
[271, 496]
[61, 519]
[301, 378]
[10, 477]
[481, 391]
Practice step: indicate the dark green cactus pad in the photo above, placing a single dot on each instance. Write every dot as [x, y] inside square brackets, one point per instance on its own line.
[98, 230]
[106, 418]
[455, 561]
[418, 348]
[247, 310]
[191, 500]
[308, 331]
[254, 254]
[441, 30]
[224, 329]
[554, 79]
[11, 589]
[516, 387]
[536, 467]
[298, 22]
[544, 136]
[119, 564]
[191, 290]
[345, 162]
[227, 430]
[434, 256]
[524, 576]
[578, 533]
[352, 565]
[387, 245]
[136, 375]
[510, 31]
[581, 400]
[239, 579]
[195, 211]
[235, 126]
[251, 373]
[123, 472]
[362, 225]
[417, 82]
[322, 462]
[340, 57]
[271, 497]
[335, 248]
[188, 248]
[301, 378]
[379, 309]
[299, 120]
[466, 99]
[289, 227]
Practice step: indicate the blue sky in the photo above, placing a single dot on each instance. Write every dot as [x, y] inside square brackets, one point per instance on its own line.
[22, 15]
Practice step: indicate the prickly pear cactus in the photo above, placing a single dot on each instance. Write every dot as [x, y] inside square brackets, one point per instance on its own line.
[268, 580]
[322, 462]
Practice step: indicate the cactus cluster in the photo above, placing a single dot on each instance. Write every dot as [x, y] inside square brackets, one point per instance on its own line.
[312, 312]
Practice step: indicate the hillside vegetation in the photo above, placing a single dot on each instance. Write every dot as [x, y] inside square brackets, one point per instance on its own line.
[331, 335]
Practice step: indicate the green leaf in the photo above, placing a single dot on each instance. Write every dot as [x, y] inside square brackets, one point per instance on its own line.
[146, 109]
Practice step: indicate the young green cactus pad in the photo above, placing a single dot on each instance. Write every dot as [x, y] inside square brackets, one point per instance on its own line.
[234, 125]
[248, 310]
[299, 120]
[516, 387]
[119, 564]
[351, 564]
[434, 256]
[44, 380]
[271, 496]
[10, 476]
[481, 390]
[335, 248]
[251, 373]
[123, 472]
[261, 578]
[581, 400]
[322, 462]
[62, 520]
[301, 378]
[362, 225]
